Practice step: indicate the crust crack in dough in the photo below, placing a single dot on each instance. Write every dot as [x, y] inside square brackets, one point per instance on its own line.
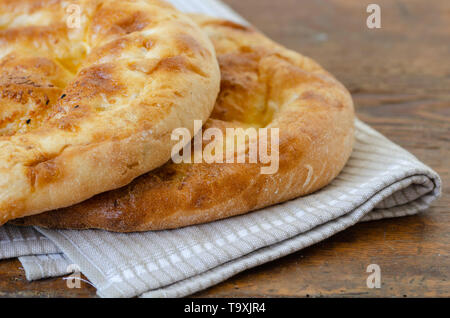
[87, 109]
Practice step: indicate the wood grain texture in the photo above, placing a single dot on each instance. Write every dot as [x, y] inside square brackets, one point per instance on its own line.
[399, 77]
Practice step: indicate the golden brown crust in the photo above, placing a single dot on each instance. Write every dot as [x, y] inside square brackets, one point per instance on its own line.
[263, 85]
[88, 109]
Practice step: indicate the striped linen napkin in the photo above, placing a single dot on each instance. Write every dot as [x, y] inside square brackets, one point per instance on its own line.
[381, 180]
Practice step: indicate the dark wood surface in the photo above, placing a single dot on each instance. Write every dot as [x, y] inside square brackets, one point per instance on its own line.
[399, 76]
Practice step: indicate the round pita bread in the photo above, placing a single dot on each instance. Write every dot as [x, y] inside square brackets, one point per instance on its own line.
[87, 106]
[263, 85]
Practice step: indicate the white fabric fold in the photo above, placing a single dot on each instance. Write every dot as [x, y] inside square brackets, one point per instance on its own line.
[381, 180]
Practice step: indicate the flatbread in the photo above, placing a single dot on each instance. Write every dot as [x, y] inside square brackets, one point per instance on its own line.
[88, 103]
[263, 85]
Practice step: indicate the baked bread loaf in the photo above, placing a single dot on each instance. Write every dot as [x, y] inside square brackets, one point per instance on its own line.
[88, 105]
[263, 85]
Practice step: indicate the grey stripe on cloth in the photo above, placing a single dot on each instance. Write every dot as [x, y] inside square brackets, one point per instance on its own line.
[381, 180]
[15, 242]
[45, 266]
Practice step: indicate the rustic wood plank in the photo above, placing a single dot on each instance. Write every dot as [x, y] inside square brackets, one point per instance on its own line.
[409, 54]
[400, 77]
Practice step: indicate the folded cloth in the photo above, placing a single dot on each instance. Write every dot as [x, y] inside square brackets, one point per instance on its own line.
[381, 180]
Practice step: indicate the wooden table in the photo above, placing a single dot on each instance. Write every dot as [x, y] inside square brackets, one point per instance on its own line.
[399, 76]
